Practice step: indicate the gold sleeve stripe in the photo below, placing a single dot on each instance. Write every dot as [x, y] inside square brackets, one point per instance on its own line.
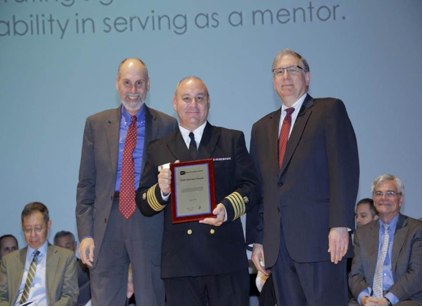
[152, 200]
[242, 203]
[235, 205]
[238, 203]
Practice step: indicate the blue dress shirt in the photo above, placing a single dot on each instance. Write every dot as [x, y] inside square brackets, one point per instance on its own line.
[388, 279]
[37, 293]
[125, 121]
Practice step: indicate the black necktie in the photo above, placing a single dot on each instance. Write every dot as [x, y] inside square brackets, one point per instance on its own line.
[192, 146]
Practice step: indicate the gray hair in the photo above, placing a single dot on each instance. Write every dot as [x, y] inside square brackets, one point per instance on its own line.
[286, 51]
[62, 234]
[195, 78]
[388, 177]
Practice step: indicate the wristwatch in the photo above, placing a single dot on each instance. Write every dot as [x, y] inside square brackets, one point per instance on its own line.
[387, 299]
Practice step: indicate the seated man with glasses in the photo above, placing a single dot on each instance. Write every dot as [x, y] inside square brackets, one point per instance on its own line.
[387, 264]
[39, 274]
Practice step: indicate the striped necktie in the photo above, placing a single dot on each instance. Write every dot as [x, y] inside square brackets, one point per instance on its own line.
[30, 278]
[127, 178]
[378, 278]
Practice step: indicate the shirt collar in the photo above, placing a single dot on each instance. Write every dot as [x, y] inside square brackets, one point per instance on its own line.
[42, 250]
[139, 115]
[296, 105]
[198, 133]
[392, 224]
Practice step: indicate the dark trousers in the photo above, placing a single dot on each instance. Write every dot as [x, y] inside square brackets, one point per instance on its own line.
[122, 245]
[231, 289]
[313, 283]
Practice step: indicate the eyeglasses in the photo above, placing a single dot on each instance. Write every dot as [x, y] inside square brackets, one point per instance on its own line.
[292, 70]
[387, 194]
[37, 230]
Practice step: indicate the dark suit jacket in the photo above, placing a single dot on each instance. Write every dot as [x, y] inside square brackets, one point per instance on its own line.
[61, 276]
[208, 250]
[83, 283]
[406, 259]
[98, 170]
[316, 187]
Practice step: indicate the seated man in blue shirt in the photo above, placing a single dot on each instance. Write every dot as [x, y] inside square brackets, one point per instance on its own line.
[387, 264]
[39, 274]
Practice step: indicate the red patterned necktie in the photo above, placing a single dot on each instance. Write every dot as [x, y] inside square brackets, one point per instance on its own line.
[127, 178]
[283, 137]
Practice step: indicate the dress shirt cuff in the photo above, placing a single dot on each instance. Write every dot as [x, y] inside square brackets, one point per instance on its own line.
[165, 198]
[226, 215]
[365, 292]
[392, 297]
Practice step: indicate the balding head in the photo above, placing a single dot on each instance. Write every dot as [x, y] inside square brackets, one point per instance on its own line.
[191, 102]
[132, 83]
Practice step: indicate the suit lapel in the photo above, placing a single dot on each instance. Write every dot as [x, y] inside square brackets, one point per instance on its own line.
[52, 262]
[371, 237]
[112, 128]
[208, 142]
[297, 131]
[151, 130]
[178, 147]
[20, 260]
[399, 239]
[273, 139]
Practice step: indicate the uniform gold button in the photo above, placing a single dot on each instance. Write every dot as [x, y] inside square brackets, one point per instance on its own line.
[189, 231]
[212, 231]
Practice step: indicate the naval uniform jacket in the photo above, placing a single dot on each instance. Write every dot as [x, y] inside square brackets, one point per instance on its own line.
[191, 248]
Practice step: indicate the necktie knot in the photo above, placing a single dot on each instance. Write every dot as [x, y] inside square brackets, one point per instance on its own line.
[36, 255]
[289, 111]
[191, 136]
[386, 226]
[134, 119]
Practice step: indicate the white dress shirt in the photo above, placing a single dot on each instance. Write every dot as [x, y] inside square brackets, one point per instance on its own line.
[198, 134]
[37, 293]
[297, 106]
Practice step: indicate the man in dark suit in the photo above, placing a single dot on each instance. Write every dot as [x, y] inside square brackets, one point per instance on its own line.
[203, 263]
[387, 263]
[112, 232]
[307, 159]
[66, 239]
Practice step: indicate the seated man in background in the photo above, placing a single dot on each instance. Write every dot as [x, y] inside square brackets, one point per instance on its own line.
[66, 240]
[8, 244]
[365, 212]
[387, 264]
[39, 274]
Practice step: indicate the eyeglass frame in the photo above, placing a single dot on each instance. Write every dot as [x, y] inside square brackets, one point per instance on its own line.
[387, 194]
[286, 69]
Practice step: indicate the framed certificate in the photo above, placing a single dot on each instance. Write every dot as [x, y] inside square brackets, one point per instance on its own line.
[193, 195]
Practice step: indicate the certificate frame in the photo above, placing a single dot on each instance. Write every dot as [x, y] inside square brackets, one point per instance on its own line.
[206, 166]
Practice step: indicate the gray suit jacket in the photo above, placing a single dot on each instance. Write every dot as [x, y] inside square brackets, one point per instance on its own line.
[61, 276]
[98, 169]
[406, 259]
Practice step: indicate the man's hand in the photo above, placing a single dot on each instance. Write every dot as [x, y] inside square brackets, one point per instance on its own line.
[382, 302]
[369, 301]
[338, 243]
[220, 213]
[165, 179]
[86, 251]
[258, 258]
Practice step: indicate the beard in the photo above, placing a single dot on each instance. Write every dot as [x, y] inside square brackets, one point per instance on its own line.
[135, 105]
